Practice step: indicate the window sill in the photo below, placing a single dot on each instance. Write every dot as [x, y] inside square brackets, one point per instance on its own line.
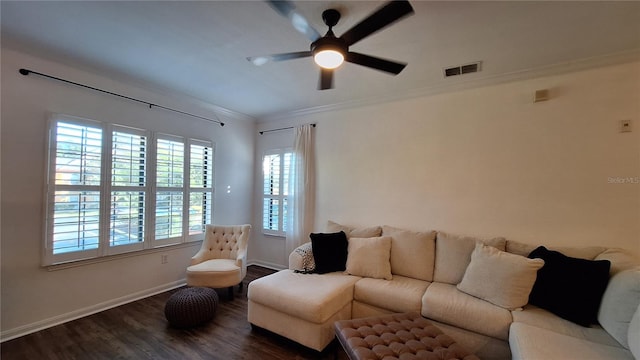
[271, 234]
[72, 264]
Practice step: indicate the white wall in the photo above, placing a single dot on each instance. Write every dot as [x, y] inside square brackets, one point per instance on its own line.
[486, 162]
[33, 297]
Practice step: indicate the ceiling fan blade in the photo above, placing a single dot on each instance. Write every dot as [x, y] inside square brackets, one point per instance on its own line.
[326, 79]
[374, 62]
[384, 16]
[299, 22]
[261, 60]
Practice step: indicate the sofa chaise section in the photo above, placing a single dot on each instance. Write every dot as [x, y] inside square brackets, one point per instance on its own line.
[301, 307]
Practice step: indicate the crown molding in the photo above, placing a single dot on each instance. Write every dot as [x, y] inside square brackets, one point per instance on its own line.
[476, 82]
[99, 74]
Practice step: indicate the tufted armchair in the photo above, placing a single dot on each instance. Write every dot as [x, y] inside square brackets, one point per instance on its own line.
[221, 262]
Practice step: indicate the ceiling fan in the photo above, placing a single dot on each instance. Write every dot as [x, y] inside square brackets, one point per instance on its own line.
[330, 51]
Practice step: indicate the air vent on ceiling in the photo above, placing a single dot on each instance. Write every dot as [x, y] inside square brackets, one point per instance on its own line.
[462, 69]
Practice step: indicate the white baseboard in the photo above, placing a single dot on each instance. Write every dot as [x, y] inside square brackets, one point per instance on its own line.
[90, 310]
[266, 264]
[76, 314]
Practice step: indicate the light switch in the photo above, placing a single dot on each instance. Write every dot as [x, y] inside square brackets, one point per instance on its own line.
[625, 125]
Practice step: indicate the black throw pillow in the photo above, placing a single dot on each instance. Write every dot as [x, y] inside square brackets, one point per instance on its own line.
[329, 251]
[569, 287]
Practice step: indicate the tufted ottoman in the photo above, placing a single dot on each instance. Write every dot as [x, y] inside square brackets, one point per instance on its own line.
[403, 336]
[191, 306]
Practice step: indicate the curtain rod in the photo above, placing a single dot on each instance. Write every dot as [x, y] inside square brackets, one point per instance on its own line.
[26, 72]
[284, 128]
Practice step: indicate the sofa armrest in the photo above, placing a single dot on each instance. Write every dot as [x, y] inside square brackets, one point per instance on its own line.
[241, 262]
[199, 257]
[301, 258]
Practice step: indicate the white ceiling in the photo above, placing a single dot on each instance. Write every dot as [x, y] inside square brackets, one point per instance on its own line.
[199, 49]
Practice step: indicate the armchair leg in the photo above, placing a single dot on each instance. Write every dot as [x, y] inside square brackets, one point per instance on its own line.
[230, 291]
[240, 286]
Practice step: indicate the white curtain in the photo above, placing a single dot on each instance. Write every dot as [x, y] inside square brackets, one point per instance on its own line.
[300, 210]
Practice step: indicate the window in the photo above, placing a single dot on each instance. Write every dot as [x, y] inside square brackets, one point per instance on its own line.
[276, 167]
[113, 189]
[75, 188]
[170, 188]
[200, 186]
[128, 187]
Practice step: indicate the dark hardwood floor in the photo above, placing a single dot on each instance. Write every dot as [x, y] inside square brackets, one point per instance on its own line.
[139, 330]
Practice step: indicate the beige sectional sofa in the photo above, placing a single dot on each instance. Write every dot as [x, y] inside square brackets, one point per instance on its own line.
[456, 282]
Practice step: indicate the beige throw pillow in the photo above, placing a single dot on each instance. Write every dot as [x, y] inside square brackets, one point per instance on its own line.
[499, 277]
[369, 257]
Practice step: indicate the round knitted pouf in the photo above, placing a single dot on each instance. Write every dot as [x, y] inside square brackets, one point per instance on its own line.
[191, 306]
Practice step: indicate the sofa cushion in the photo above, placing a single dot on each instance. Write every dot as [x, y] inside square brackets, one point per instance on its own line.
[453, 254]
[485, 347]
[444, 303]
[619, 303]
[587, 252]
[412, 252]
[364, 232]
[531, 342]
[533, 315]
[369, 257]
[569, 287]
[401, 294]
[634, 334]
[329, 251]
[620, 260]
[499, 277]
[312, 297]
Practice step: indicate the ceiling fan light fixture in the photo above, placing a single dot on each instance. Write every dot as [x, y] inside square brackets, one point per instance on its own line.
[329, 52]
[328, 58]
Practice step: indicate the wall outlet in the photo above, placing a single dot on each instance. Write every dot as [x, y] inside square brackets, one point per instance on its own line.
[164, 259]
[625, 125]
[541, 95]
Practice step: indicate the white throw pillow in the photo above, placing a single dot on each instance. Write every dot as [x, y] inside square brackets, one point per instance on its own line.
[499, 277]
[619, 301]
[369, 257]
[634, 334]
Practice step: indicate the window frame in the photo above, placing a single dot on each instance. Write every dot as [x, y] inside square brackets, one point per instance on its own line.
[169, 189]
[281, 231]
[50, 192]
[106, 187]
[190, 188]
